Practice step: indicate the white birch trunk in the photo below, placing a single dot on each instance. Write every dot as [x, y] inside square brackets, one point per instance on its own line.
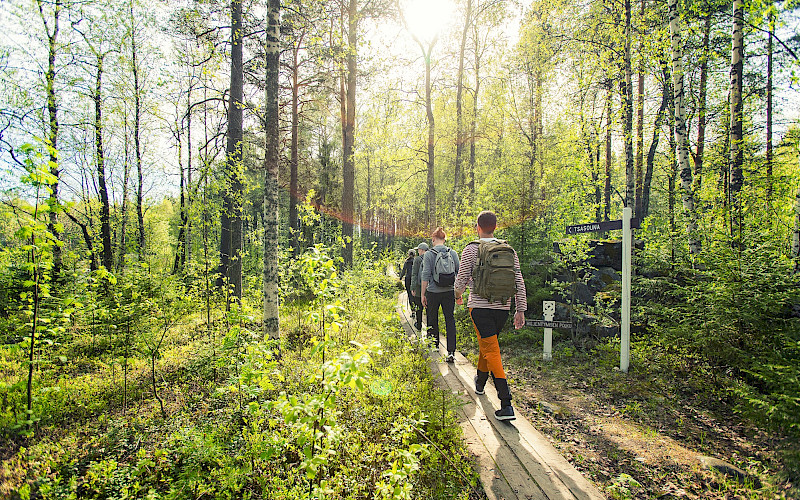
[271, 327]
[681, 134]
[736, 153]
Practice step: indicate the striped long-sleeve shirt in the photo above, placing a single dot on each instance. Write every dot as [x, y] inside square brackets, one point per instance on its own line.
[464, 279]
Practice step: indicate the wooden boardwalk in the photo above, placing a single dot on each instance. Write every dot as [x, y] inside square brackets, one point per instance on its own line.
[515, 460]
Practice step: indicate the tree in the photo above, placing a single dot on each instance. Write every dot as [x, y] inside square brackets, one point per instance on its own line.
[230, 268]
[51, 25]
[348, 118]
[137, 141]
[100, 53]
[681, 133]
[271, 325]
[736, 117]
[458, 175]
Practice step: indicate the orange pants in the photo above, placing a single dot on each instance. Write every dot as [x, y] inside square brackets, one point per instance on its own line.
[489, 356]
[489, 352]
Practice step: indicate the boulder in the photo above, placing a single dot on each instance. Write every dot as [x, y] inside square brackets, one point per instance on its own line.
[728, 469]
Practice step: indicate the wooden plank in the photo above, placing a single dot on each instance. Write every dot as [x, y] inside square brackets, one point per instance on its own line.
[515, 460]
[551, 471]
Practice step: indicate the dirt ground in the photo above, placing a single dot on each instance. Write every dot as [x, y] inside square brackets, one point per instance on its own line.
[638, 438]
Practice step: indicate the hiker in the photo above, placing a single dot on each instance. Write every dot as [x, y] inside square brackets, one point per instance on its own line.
[406, 272]
[439, 269]
[490, 267]
[416, 285]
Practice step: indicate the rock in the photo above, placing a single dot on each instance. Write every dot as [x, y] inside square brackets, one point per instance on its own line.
[728, 469]
[582, 293]
[551, 409]
[607, 331]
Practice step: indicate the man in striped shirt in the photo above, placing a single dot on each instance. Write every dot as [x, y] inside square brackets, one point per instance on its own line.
[488, 317]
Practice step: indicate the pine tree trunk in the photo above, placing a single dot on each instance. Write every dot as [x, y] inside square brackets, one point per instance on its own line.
[430, 202]
[348, 142]
[681, 133]
[180, 252]
[123, 240]
[607, 179]
[473, 129]
[796, 229]
[769, 104]
[630, 174]
[736, 151]
[271, 325]
[701, 110]
[231, 237]
[666, 98]
[458, 176]
[189, 187]
[295, 151]
[137, 139]
[640, 128]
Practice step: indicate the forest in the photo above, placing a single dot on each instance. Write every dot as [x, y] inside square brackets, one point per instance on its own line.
[200, 200]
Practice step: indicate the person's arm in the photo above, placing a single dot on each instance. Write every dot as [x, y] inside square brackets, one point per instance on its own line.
[465, 265]
[521, 297]
[406, 269]
[424, 298]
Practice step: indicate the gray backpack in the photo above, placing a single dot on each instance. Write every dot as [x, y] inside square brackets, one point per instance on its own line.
[444, 268]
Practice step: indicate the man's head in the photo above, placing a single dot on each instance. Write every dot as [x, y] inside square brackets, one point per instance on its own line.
[422, 248]
[487, 222]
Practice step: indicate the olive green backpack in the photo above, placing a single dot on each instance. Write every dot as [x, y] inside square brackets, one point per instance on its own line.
[494, 276]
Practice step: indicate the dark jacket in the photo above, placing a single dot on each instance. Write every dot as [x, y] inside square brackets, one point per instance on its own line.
[416, 272]
[406, 272]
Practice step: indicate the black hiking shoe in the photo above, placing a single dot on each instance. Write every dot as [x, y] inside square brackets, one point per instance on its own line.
[478, 388]
[505, 413]
[451, 357]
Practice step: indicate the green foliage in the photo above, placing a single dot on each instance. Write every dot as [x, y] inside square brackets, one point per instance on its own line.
[344, 415]
[732, 322]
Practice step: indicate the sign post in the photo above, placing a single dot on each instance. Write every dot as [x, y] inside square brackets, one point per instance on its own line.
[626, 224]
[625, 327]
[549, 308]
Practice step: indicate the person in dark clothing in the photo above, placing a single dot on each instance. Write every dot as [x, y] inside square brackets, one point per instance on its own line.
[405, 274]
[416, 285]
[436, 291]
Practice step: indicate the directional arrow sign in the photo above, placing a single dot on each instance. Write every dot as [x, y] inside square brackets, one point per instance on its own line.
[540, 323]
[593, 227]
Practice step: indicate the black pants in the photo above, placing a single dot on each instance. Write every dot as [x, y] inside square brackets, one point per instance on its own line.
[447, 301]
[416, 306]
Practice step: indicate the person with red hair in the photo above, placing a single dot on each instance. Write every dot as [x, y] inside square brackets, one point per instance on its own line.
[489, 303]
[439, 269]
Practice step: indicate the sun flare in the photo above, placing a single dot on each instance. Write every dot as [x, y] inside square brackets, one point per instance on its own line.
[428, 18]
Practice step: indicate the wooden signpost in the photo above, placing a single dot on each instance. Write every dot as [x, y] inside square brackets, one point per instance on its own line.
[549, 308]
[626, 224]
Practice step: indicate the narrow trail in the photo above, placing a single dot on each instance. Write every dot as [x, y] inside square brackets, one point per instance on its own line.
[515, 460]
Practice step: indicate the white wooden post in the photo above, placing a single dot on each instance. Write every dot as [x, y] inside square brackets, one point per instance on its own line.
[625, 327]
[549, 308]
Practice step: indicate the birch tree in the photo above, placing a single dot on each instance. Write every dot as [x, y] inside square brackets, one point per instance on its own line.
[681, 133]
[736, 152]
[271, 325]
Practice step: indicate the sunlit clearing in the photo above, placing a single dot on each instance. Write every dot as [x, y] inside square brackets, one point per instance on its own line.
[427, 18]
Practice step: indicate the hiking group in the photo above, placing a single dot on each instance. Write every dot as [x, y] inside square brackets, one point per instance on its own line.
[435, 278]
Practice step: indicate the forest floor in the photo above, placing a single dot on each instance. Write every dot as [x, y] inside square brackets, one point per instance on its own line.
[635, 435]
